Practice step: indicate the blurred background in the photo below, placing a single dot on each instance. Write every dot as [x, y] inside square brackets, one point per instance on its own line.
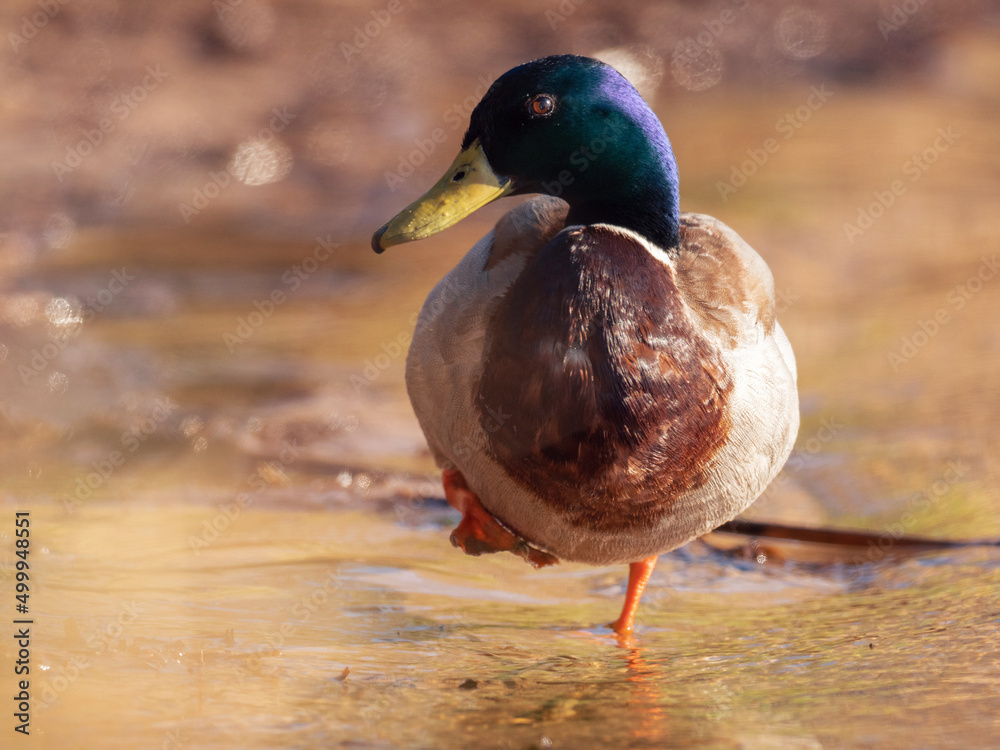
[202, 400]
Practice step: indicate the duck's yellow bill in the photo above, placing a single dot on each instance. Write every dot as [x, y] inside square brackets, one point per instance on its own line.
[469, 184]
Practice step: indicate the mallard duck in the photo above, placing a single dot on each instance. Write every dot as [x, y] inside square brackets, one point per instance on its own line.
[601, 377]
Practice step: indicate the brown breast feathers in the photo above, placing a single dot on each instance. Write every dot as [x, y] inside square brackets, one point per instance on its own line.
[597, 392]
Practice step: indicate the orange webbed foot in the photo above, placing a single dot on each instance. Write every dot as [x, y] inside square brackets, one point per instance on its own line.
[638, 577]
[479, 532]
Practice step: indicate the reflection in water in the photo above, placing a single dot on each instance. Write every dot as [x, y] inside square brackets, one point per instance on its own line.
[650, 721]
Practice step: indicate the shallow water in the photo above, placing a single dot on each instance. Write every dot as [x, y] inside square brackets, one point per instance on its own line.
[237, 537]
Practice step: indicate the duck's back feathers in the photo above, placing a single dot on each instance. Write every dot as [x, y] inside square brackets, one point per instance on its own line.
[727, 286]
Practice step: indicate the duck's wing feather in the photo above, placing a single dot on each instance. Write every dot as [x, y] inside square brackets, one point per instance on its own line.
[727, 286]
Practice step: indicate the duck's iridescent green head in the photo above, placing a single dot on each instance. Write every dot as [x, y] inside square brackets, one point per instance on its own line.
[566, 126]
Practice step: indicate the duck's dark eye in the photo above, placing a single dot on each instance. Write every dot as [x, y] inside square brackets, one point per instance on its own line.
[541, 105]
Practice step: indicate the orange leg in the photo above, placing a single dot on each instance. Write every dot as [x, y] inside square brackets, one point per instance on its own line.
[638, 577]
[479, 532]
